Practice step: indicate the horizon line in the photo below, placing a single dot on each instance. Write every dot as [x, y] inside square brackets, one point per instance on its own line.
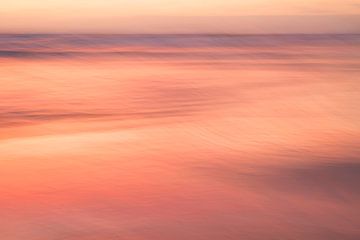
[180, 34]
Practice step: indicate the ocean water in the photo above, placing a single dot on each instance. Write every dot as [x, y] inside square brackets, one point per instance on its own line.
[192, 137]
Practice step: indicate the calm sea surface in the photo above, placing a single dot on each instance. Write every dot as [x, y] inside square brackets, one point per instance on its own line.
[179, 137]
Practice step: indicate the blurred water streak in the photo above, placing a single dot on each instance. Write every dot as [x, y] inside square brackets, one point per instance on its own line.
[179, 137]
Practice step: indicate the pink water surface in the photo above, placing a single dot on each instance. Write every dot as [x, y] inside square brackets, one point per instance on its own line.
[191, 142]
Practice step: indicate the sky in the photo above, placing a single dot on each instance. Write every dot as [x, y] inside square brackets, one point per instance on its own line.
[174, 16]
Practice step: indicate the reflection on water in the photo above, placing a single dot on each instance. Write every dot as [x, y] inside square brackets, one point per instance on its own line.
[179, 137]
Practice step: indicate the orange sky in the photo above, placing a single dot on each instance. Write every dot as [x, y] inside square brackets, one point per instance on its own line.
[133, 16]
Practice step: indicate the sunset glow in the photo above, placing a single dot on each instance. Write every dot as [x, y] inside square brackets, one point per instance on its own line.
[160, 16]
[179, 120]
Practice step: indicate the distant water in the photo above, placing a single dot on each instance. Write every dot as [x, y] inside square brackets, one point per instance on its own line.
[179, 137]
[160, 46]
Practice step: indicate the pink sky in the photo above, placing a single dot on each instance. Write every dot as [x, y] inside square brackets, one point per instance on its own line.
[160, 16]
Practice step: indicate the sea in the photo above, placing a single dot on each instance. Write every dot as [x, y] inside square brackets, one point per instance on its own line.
[174, 137]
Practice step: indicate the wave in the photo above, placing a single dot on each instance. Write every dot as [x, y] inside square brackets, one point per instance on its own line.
[153, 54]
[12, 42]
